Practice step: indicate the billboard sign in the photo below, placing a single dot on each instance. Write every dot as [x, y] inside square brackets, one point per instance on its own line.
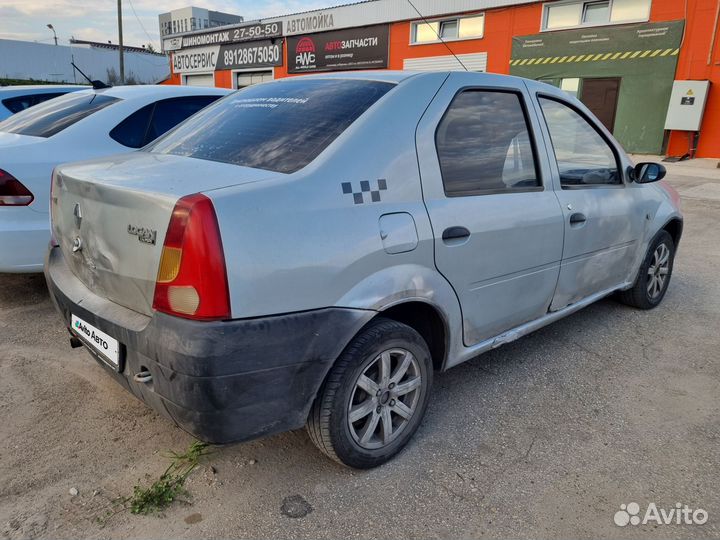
[354, 48]
[238, 34]
[255, 54]
[172, 44]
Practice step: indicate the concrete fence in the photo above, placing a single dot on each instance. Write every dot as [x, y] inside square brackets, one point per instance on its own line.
[39, 61]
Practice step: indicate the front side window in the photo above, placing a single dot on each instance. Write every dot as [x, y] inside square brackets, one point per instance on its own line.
[279, 126]
[583, 156]
[51, 117]
[484, 145]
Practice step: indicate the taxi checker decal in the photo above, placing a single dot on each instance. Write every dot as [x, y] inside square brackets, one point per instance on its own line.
[358, 196]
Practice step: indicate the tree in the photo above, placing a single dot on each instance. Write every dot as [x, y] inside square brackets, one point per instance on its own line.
[112, 76]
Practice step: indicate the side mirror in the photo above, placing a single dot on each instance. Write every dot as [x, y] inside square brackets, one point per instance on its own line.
[645, 173]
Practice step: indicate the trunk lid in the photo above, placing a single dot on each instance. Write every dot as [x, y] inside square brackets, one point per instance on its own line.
[110, 217]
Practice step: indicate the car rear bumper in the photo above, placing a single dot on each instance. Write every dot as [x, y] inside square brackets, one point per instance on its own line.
[222, 381]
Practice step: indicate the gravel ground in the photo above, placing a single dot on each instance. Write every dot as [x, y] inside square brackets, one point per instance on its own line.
[545, 437]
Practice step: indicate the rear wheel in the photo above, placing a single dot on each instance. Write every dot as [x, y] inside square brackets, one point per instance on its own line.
[654, 276]
[374, 397]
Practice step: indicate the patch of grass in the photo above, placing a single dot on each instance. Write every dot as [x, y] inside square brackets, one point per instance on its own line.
[171, 484]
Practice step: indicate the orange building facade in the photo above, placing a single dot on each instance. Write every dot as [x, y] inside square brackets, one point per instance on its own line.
[690, 52]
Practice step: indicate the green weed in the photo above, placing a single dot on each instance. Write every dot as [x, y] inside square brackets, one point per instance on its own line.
[171, 484]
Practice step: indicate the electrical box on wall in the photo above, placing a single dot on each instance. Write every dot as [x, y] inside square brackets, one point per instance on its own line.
[687, 105]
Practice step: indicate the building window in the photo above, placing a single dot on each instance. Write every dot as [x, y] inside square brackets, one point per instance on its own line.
[449, 29]
[596, 13]
[571, 14]
[571, 86]
[627, 10]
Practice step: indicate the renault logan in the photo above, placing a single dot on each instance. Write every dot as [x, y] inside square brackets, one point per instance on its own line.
[308, 251]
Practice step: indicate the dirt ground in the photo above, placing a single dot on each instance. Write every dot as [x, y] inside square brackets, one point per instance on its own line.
[545, 437]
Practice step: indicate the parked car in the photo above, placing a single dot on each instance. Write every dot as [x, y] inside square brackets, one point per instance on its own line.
[309, 251]
[74, 127]
[14, 99]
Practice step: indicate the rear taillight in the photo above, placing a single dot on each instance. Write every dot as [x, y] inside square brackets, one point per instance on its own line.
[192, 279]
[12, 192]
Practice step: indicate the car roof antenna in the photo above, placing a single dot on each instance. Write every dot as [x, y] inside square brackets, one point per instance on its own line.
[438, 35]
[97, 85]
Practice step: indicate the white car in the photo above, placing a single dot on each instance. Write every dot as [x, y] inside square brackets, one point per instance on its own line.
[74, 127]
[14, 99]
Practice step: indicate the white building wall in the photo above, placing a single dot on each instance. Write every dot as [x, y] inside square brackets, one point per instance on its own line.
[39, 61]
[381, 11]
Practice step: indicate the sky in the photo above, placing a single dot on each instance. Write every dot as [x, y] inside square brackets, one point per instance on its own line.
[96, 20]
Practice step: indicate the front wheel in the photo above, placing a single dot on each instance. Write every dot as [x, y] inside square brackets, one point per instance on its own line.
[654, 276]
[374, 397]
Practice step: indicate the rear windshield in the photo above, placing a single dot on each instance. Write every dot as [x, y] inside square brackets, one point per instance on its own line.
[20, 103]
[51, 117]
[279, 126]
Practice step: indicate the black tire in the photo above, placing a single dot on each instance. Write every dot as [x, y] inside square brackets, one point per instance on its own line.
[639, 295]
[328, 424]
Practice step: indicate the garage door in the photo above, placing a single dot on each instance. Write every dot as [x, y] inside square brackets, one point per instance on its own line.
[252, 77]
[200, 79]
[473, 62]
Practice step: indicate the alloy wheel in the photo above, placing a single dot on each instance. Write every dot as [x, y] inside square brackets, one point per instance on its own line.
[385, 398]
[658, 271]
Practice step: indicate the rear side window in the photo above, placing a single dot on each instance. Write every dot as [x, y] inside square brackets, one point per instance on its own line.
[147, 124]
[584, 158]
[280, 126]
[51, 117]
[170, 112]
[131, 131]
[484, 146]
[20, 103]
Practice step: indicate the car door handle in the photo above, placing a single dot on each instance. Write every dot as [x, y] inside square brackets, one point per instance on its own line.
[577, 219]
[455, 235]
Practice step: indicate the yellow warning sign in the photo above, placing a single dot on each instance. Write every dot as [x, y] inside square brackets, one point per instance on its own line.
[690, 92]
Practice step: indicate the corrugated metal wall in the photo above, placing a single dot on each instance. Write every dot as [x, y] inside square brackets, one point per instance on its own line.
[42, 62]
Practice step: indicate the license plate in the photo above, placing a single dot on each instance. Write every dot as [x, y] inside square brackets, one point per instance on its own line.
[107, 347]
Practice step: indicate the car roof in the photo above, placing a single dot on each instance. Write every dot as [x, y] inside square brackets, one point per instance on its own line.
[41, 88]
[158, 90]
[395, 76]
